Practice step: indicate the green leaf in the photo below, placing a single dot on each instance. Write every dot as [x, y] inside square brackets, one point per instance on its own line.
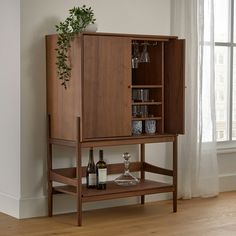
[76, 22]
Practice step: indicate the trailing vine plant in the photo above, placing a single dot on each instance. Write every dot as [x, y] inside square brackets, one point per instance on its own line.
[79, 18]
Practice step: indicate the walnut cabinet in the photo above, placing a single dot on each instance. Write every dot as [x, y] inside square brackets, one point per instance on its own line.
[96, 109]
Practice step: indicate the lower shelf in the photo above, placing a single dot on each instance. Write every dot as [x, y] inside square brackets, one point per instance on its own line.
[113, 190]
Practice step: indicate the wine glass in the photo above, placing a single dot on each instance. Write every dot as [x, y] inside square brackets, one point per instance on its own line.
[135, 56]
[145, 55]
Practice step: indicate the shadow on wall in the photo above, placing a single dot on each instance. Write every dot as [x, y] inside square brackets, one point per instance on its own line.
[33, 107]
[34, 118]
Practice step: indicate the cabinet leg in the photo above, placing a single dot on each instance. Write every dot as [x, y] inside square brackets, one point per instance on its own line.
[79, 213]
[175, 179]
[50, 198]
[49, 167]
[142, 152]
[174, 201]
[78, 175]
[143, 199]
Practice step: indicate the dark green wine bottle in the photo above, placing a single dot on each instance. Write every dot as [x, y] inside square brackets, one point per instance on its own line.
[91, 171]
[101, 168]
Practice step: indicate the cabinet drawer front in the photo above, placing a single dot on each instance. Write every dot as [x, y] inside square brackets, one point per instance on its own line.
[106, 87]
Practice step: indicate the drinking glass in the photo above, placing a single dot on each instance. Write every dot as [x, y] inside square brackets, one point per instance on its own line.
[135, 56]
[140, 111]
[150, 126]
[137, 127]
[145, 55]
[140, 95]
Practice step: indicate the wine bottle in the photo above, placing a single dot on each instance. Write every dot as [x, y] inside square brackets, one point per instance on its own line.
[101, 168]
[91, 171]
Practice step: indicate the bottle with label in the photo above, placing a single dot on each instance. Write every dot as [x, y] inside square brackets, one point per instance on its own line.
[101, 172]
[91, 171]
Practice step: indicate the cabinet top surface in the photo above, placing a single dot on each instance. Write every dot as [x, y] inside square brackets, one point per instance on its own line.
[134, 36]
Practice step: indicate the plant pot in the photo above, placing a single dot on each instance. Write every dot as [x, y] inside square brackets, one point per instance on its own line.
[91, 28]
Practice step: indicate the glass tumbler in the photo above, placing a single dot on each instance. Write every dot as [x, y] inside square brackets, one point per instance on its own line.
[145, 96]
[136, 111]
[150, 126]
[137, 127]
[144, 110]
[140, 95]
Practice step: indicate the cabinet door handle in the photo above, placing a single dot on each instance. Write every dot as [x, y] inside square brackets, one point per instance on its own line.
[129, 86]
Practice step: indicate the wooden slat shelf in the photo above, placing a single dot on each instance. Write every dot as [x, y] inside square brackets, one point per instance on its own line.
[145, 86]
[65, 189]
[62, 175]
[115, 191]
[146, 118]
[146, 103]
[55, 175]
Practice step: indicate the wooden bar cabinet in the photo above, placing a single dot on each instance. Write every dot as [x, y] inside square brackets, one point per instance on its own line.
[96, 109]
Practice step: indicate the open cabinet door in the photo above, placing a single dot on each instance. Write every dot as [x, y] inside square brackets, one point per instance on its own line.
[106, 87]
[174, 79]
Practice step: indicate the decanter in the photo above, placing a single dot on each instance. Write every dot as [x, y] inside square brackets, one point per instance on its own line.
[126, 179]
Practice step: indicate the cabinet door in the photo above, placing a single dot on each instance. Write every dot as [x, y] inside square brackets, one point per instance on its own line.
[106, 87]
[174, 86]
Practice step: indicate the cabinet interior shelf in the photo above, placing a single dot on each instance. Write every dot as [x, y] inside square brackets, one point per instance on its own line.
[146, 103]
[146, 86]
[146, 118]
[115, 191]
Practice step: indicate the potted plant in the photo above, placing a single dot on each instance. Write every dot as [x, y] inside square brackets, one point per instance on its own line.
[78, 20]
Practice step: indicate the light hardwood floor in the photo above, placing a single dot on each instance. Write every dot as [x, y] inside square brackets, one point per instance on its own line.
[200, 217]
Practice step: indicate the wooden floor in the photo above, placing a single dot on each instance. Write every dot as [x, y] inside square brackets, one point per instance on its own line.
[215, 216]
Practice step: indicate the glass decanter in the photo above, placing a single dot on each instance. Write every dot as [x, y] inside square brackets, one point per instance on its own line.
[126, 179]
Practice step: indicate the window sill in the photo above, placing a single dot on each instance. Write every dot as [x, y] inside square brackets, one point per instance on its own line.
[226, 147]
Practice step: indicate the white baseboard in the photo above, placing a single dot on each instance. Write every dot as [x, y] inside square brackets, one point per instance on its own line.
[227, 182]
[62, 203]
[9, 205]
[35, 207]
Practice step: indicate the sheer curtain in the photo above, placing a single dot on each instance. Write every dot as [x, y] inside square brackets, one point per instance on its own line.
[198, 168]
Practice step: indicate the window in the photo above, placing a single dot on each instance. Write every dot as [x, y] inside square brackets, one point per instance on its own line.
[225, 69]
[219, 135]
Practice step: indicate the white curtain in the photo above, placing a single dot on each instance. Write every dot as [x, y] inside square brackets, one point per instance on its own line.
[198, 168]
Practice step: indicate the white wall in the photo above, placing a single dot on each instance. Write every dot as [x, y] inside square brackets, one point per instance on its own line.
[227, 169]
[23, 182]
[10, 106]
[37, 20]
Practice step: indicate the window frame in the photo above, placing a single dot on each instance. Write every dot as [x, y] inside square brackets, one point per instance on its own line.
[230, 143]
